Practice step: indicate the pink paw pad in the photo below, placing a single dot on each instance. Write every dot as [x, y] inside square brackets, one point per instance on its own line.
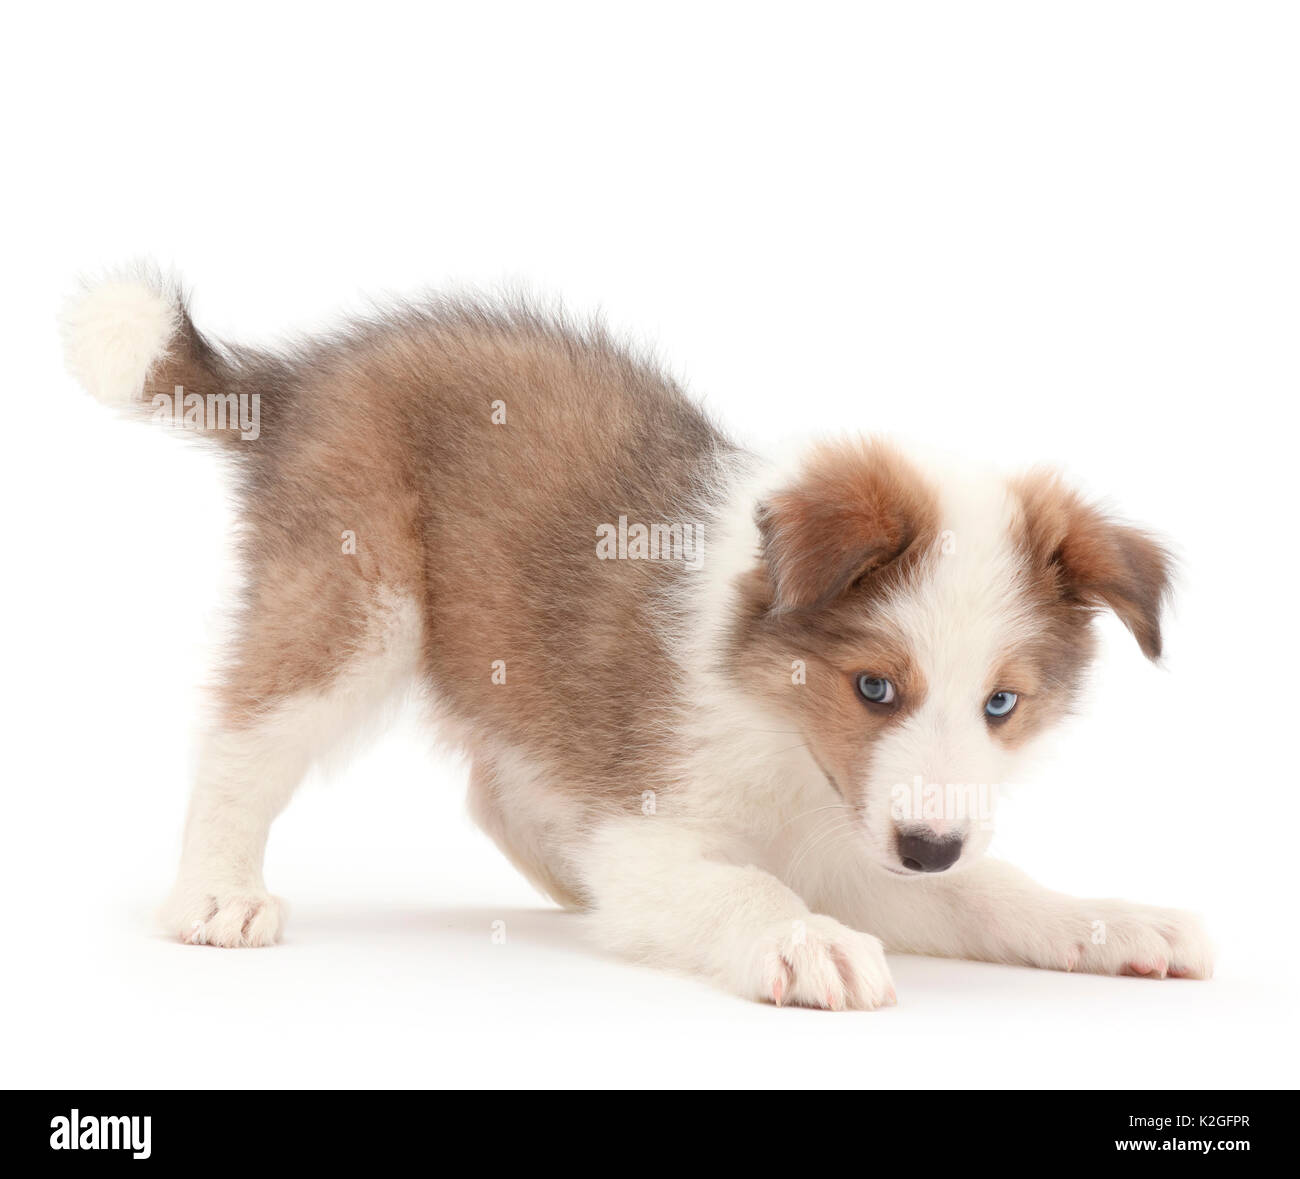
[781, 982]
[1149, 968]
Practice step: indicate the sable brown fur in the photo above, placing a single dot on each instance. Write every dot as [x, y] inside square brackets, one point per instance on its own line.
[387, 431]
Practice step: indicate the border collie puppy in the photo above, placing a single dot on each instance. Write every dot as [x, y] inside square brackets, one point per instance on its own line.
[748, 717]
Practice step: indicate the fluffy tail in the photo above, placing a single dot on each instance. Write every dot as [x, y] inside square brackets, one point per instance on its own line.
[130, 341]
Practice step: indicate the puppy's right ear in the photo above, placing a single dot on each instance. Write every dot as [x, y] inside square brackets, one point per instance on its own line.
[855, 508]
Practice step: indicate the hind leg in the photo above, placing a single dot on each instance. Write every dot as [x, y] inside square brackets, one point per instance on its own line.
[305, 675]
[246, 776]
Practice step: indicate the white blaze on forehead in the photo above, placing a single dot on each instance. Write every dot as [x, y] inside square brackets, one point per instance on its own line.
[960, 613]
[966, 604]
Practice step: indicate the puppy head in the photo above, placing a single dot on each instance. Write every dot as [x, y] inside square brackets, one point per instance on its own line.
[920, 629]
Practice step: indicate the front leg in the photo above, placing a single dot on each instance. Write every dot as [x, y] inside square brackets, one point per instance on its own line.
[995, 913]
[661, 894]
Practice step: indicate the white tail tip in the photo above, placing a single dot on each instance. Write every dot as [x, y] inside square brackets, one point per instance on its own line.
[116, 330]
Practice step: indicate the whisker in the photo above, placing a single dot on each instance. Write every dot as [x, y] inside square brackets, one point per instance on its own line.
[817, 840]
[818, 827]
[790, 748]
[830, 806]
[839, 838]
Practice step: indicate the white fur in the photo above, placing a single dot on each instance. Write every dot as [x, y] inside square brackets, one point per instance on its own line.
[753, 870]
[536, 826]
[755, 874]
[667, 895]
[116, 330]
[993, 912]
[759, 877]
[701, 884]
[959, 619]
[248, 773]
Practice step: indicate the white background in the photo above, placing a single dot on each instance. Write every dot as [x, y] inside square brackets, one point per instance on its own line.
[1030, 232]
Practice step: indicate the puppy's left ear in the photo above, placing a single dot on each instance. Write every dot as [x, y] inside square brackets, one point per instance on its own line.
[1094, 559]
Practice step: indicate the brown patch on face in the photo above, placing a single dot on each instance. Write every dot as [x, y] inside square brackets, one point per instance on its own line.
[856, 507]
[1084, 558]
[820, 700]
[1077, 561]
[856, 525]
[1044, 672]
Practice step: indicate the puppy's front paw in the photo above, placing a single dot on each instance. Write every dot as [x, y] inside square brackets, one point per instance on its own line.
[1121, 938]
[817, 962]
[248, 918]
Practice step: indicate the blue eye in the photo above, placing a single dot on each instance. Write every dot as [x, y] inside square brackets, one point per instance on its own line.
[874, 689]
[1000, 704]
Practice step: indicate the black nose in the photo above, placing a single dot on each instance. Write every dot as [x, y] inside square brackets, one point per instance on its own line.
[925, 853]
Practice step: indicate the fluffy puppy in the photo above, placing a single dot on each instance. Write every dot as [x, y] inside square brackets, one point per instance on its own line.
[750, 717]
